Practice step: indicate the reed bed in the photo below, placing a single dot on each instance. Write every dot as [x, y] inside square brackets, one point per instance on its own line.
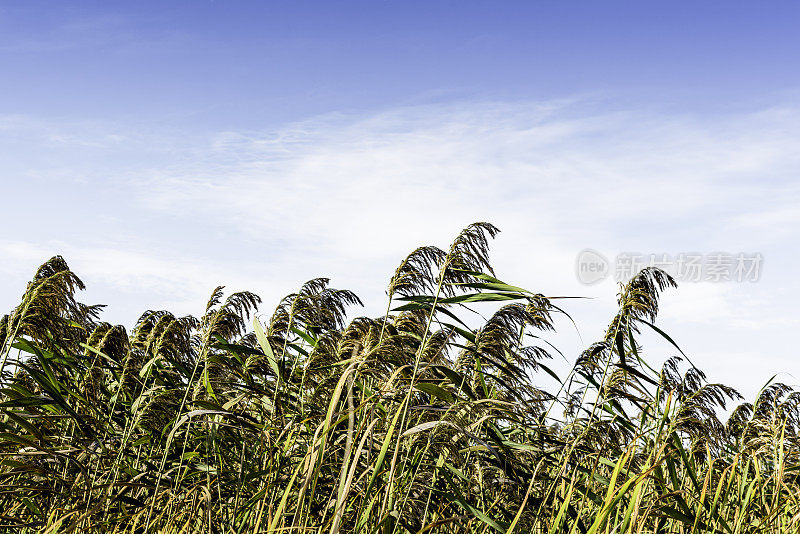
[418, 421]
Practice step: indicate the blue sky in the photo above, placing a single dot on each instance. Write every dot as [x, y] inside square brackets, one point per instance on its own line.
[244, 64]
[166, 147]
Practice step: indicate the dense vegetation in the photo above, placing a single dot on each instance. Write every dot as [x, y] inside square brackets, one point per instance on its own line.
[411, 422]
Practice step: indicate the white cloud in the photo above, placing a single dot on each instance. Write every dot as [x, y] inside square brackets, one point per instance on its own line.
[485, 157]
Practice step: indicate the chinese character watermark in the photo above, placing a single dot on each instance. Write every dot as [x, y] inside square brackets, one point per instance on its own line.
[592, 267]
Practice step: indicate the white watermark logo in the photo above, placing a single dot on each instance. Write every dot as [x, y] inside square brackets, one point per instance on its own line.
[592, 267]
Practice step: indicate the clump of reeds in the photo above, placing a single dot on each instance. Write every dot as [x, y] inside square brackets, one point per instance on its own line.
[411, 422]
